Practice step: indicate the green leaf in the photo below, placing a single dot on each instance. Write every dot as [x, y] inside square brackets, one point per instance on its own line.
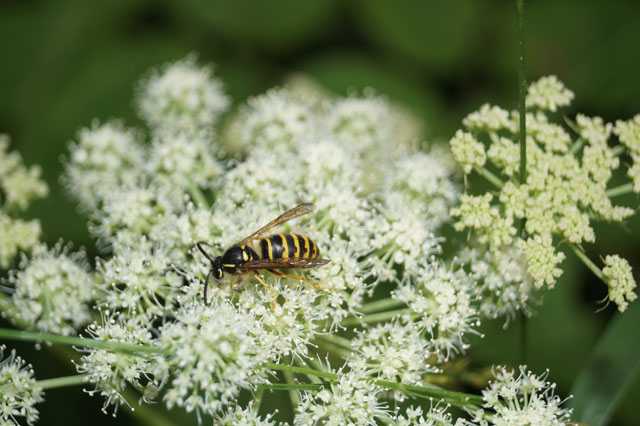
[609, 371]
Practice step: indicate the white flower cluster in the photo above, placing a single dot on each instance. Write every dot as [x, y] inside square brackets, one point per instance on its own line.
[19, 185]
[441, 302]
[351, 400]
[215, 357]
[379, 205]
[181, 96]
[524, 399]
[629, 134]
[502, 284]
[566, 182]
[237, 416]
[52, 290]
[436, 416]
[617, 274]
[19, 392]
[393, 351]
[110, 372]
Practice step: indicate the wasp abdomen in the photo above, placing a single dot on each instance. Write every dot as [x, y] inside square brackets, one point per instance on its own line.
[287, 246]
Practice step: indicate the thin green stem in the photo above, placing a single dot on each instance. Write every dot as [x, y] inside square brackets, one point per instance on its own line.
[619, 150]
[457, 398]
[62, 382]
[336, 340]
[620, 190]
[291, 387]
[522, 97]
[79, 341]
[198, 196]
[293, 395]
[488, 175]
[522, 84]
[577, 146]
[334, 349]
[373, 318]
[300, 370]
[380, 305]
[583, 257]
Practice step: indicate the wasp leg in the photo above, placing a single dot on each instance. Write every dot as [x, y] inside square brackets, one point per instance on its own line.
[296, 277]
[257, 277]
[206, 284]
[236, 284]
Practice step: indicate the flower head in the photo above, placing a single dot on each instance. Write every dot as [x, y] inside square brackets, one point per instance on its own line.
[18, 183]
[111, 372]
[20, 391]
[548, 93]
[214, 357]
[617, 274]
[104, 157]
[352, 399]
[52, 290]
[524, 399]
[181, 96]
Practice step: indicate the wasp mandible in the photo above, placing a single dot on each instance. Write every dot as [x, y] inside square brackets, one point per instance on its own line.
[278, 251]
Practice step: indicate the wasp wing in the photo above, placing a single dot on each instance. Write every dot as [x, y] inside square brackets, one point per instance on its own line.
[297, 211]
[293, 263]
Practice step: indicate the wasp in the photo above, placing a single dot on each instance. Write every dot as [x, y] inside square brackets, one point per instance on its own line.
[278, 251]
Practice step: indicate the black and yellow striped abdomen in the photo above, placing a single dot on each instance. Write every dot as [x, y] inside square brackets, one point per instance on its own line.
[288, 246]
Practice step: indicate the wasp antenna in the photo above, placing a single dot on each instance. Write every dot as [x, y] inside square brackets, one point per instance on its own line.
[206, 284]
[199, 245]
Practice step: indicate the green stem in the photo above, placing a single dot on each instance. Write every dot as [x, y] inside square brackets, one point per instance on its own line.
[198, 196]
[522, 93]
[577, 146]
[380, 305]
[334, 349]
[456, 398]
[336, 340]
[79, 341]
[587, 261]
[619, 150]
[291, 387]
[293, 395]
[373, 318]
[61, 382]
[488, 175]
[620, 190]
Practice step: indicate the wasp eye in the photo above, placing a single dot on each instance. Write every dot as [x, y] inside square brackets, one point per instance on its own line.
[217, 273]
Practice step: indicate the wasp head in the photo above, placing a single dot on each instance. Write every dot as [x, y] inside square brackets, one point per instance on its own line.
[216, 268]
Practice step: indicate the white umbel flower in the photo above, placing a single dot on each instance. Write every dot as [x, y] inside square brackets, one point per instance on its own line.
[17, 234]
[351, 400]
[467, 151]
[548, 93]
[393, 351]
[111, 372]
[524, 399]
[18, 183]
[214, 357]
[104, 158]
[629, 133]
[542, 259]
[488, 118]
[248, 416]
[619, 278]
[181, 96]
[20, 391]
[52, 290]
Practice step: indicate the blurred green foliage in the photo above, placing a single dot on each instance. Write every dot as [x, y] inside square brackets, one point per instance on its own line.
[68, 62]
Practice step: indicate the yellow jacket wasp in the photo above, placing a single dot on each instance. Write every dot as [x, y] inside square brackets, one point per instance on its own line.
[278, 251]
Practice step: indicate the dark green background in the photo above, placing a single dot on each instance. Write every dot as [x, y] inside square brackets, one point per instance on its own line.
[67, 62]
